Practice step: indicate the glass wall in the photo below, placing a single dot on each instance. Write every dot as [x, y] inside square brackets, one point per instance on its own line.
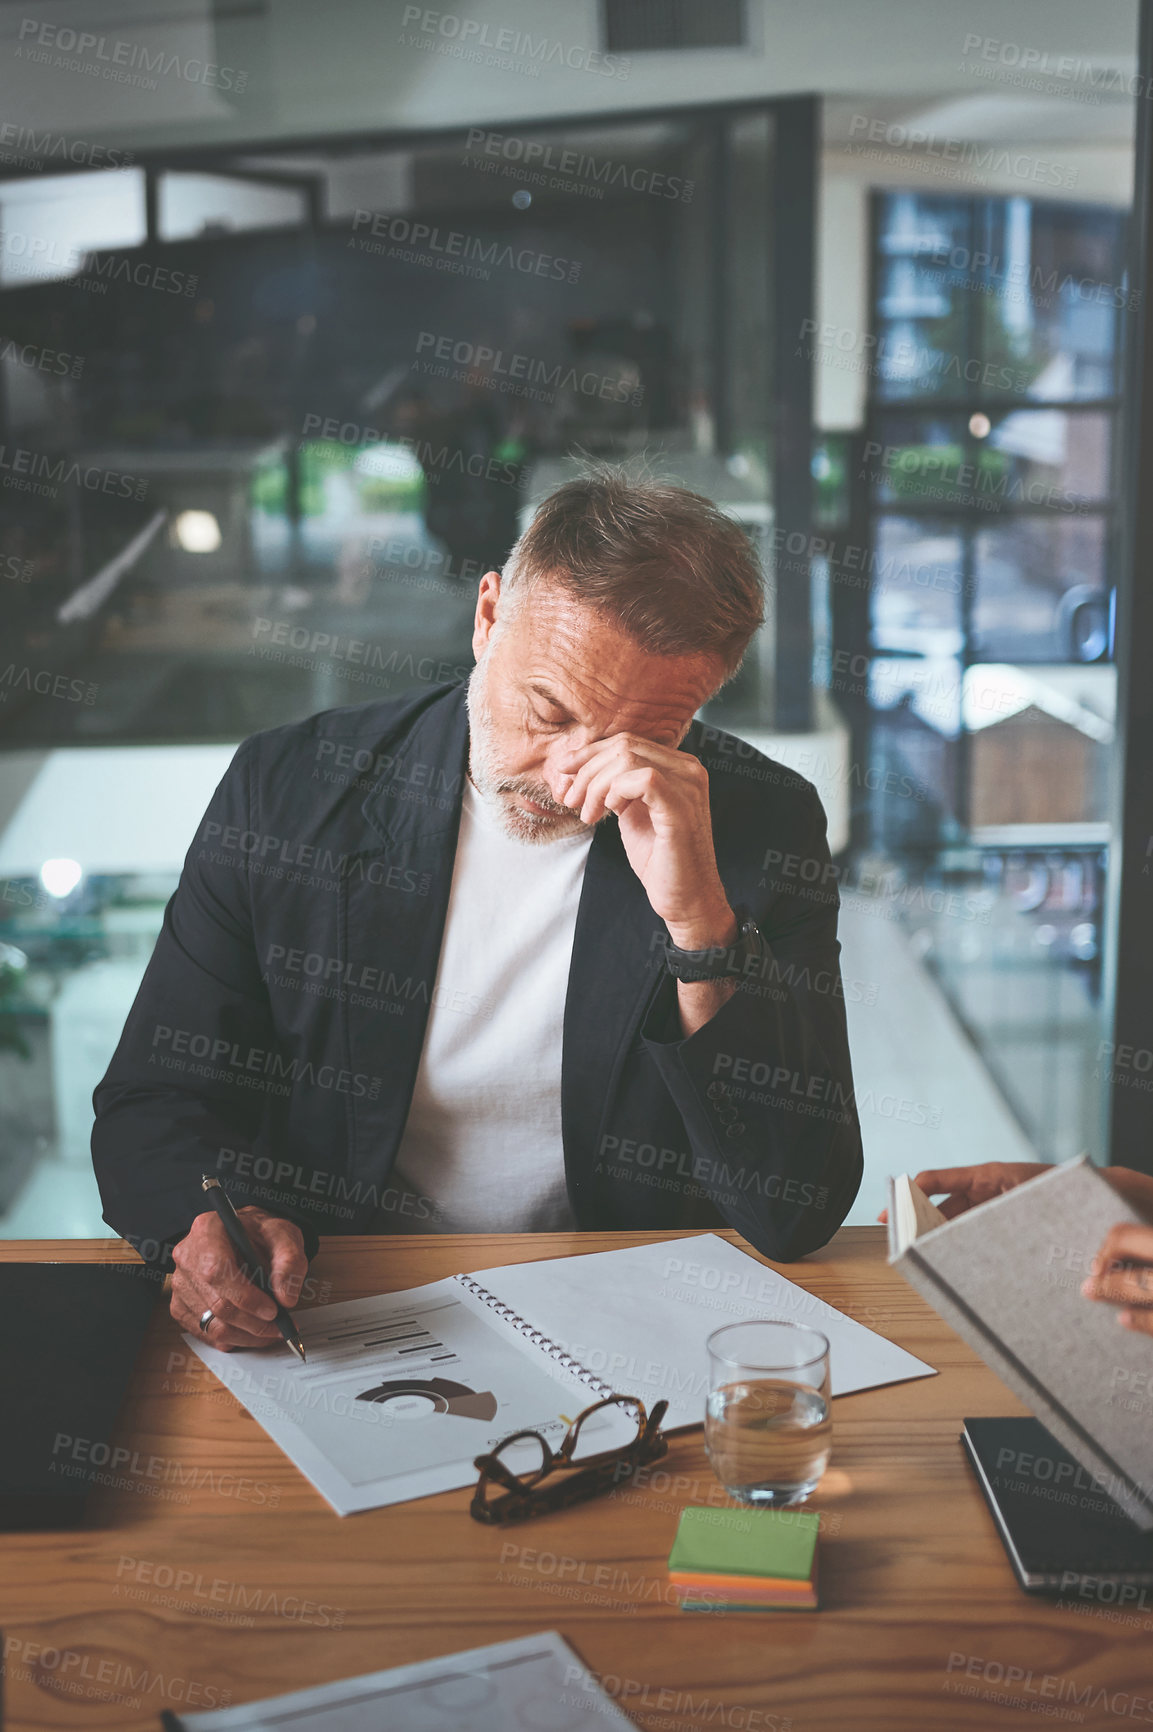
[292, 426]
[987, 484]
[291, 406]
[277, 385]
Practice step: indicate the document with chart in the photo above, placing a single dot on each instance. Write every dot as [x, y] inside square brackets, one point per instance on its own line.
[400, 1392]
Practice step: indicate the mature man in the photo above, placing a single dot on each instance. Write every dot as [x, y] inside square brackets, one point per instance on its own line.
[526, 955]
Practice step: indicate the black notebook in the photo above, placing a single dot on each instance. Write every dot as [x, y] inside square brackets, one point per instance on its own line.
[1060, 1527]
[71, 1336]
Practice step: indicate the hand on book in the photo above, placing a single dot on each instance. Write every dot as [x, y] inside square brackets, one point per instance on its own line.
[1123, 1275]
[968, 1186]
[1136, 1188]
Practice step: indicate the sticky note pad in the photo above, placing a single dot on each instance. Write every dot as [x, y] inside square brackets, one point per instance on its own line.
[745, 1560]
[776, 1545]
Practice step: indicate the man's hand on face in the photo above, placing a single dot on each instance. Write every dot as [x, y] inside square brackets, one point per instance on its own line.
[1123, 1275]
[661, 800]
[208, 1278]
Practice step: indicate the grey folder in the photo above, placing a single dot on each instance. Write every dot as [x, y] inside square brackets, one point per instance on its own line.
[1007, 1276]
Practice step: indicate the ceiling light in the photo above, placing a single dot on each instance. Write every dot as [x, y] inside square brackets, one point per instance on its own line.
[60, 877]
[197, 532]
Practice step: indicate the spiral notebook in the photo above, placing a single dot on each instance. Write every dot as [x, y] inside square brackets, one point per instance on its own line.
[401, 1391]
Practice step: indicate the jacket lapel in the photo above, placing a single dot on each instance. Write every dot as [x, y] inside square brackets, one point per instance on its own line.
[393, 902]
[616, 972]
[612, 978]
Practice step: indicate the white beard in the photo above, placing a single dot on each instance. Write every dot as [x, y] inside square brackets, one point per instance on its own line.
[496, 788]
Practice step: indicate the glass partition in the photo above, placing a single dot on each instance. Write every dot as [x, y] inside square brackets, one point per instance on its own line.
[315, 405]
[306, 399]
[275, 394]
[989, 468]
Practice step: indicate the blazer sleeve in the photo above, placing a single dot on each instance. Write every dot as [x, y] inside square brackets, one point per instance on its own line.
[765, 1088]
[171, 1100]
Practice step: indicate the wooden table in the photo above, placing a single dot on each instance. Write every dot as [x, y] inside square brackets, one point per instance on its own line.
[249, 1585]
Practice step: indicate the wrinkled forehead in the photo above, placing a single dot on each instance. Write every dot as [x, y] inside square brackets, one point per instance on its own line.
[574, 659]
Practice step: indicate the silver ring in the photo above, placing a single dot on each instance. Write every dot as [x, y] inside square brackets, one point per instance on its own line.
[205, 1321]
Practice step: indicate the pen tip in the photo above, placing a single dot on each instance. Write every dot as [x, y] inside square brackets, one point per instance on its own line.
[298, 1349]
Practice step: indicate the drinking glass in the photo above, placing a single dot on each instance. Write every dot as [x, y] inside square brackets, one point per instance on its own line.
[768, 1426]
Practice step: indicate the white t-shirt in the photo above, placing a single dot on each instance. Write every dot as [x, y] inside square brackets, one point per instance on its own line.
[483, 1137]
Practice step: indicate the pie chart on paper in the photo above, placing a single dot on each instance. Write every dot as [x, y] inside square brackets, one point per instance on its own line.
[419, 1398]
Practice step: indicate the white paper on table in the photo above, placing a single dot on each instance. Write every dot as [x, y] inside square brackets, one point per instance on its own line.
[639, 1318]
[484, 1357]
[534, 1681]
[450, 1381]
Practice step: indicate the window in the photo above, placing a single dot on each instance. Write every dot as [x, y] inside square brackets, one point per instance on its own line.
[47, 227]
[988, 468]
[214, 204]
[635, 25]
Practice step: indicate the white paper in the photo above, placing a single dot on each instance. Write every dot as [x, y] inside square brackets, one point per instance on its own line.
[536, 1683]
[639, 1318]
[399, 1393]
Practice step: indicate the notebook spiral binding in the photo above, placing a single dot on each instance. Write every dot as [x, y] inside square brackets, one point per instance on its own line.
[537, 1337]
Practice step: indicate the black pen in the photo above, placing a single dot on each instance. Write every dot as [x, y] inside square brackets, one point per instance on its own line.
[251, 1262]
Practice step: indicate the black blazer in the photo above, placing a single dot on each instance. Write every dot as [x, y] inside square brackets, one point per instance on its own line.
[277, 1031]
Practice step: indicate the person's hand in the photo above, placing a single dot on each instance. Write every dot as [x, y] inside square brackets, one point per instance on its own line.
[661, 800]
[208, 1278]
[1136, 1188]
[968, 1186]
[1123, 1275]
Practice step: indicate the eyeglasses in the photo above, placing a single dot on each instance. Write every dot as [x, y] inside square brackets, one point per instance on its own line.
[588, 1473]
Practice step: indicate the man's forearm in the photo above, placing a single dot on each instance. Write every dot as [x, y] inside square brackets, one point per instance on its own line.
[765, 1093]
[698, 1001]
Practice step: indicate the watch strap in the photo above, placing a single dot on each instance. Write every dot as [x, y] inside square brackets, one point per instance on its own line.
[720, 962]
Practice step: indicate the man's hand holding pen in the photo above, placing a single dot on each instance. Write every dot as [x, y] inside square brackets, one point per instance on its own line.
[207, 1278]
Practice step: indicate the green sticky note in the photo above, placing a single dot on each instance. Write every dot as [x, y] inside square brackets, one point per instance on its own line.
[746, 1542]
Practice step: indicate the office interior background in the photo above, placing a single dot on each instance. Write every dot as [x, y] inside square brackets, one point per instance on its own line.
[300, 314]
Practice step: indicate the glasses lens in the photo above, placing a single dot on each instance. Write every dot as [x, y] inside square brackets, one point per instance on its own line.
[605, 1428]
[524, 1456]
